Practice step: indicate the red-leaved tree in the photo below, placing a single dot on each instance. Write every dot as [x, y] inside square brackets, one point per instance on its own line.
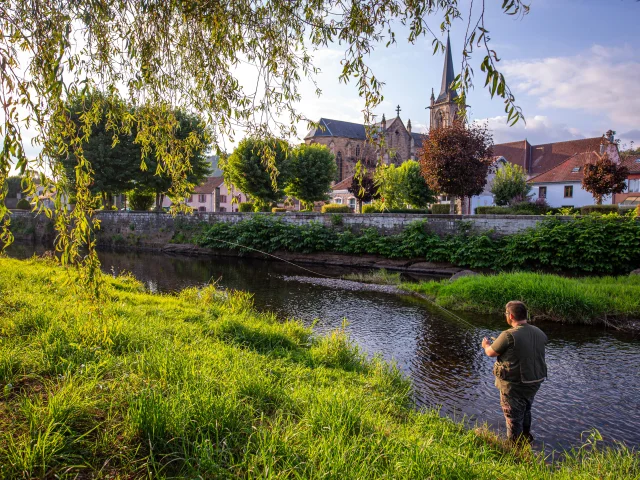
[604, 177]
[455, 159]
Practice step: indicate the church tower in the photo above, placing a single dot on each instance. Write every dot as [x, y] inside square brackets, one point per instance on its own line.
[444, 108]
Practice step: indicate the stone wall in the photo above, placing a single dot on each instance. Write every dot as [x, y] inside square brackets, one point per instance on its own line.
[147, 229]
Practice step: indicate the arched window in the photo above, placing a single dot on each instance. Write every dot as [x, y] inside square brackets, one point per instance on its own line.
[352, 204]
[358, 152]
[339, 165]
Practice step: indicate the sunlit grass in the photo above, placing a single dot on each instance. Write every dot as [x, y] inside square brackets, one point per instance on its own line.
[572, 300]
[381, 277]
[200, 385]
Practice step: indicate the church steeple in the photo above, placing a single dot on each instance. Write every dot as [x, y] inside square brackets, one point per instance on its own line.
[444, 109]
[448, 75]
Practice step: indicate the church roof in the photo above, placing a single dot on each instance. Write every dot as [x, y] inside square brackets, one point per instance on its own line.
[417, 138]
[448, 76]
[338, 128]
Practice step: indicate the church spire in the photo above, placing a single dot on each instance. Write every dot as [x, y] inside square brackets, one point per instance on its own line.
[448, 75]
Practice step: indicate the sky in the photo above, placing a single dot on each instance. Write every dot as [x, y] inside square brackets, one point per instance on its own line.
[574, 66]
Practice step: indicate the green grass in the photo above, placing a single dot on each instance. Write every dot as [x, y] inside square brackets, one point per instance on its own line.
[588, 300]
[200, 385]
[381, 277]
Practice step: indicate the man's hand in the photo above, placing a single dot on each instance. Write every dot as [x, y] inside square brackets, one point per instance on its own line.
[486, 345]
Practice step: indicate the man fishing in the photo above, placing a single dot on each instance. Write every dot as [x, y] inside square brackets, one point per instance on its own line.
[520, 369]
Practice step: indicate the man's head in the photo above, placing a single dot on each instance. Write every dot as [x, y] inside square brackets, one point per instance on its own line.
[515, 311]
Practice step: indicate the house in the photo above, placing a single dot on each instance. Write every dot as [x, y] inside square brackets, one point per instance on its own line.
[555, 170]
[631, 196]
[341, 195]
[213, 196]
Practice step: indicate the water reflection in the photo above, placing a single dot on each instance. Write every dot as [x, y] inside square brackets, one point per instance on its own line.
[593, 374]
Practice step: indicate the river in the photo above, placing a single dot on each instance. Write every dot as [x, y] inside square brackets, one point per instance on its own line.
[594, 374]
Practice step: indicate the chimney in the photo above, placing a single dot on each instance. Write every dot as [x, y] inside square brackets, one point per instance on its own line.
[409, 125]
[611, 136]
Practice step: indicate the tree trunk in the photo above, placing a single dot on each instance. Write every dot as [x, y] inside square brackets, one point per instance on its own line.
[452, 204]
[359, 205]
[599, 200]
[159, 199]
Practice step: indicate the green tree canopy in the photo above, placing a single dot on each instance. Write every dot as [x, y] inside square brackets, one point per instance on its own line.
[416, 192]
[114, 157]
[158, 178]
[312, 168]
[247, 169]
[14, 186]
[509, 183]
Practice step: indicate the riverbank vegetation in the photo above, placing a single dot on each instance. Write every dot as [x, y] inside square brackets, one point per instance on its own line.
[588, 300]
[595, 244]
[380, 277]
[199, 384]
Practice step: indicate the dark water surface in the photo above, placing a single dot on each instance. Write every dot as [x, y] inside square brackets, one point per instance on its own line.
[594, 375]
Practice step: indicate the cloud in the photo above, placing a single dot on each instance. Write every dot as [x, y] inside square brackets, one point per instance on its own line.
[631, 136]
[538, 129]
[602, 80]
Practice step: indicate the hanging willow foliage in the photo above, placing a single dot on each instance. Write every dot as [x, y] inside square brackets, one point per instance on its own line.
[159, 55]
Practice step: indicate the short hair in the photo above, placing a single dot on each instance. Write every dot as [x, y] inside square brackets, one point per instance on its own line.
[517, 309]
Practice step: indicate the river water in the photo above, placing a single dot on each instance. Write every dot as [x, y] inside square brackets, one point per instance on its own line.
[594, 374]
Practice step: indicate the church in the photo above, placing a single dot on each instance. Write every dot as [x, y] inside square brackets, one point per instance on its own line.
[348, 141]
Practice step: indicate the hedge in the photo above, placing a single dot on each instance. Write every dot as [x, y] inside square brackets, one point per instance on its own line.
[335, 208]
[590, 244]
[441, 209]
[370, 209]
[246, 207]
[602, 209]
[278, 210]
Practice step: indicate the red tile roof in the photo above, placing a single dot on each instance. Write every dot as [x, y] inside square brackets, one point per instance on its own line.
[631, 161]
[565, 172]
[537, 159]
[209, 185]
[343, 184]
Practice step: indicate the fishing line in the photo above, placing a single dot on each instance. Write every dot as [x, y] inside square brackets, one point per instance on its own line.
[450, 313]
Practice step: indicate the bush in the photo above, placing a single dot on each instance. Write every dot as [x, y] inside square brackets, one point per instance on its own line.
[601, 209]
[335, 208]
[370, 209]
[278, 210]
[141, 200]
[441, 209]
[245, 207]
[23, 204]
[493, 210]
[407, 210]
[553, 245]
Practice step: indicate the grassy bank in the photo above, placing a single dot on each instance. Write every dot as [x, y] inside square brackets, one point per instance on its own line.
[201, 385]
[588, 300]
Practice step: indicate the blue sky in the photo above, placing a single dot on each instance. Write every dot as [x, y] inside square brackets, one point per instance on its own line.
[574, 66]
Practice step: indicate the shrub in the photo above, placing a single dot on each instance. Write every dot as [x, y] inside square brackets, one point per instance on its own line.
[509, 183]
[23, 204]
[370, 209]
[141, 200]
[493, 210]
[245, 207]
[407, 210]
[601, 209]
[441, 209]
[335, 208]
[278, 210]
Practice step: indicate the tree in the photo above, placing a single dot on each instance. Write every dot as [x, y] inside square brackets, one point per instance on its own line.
[158, 178]
[417, 193]
[364, 188]
[312, 169]
[114, 157]
[165, 56]
[389, 183]
[246, 169]
[604, 177]
[455, 159]
[510, 182]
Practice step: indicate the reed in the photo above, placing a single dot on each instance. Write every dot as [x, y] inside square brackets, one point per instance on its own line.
[380, 277]
[200, 385]
[586, 300]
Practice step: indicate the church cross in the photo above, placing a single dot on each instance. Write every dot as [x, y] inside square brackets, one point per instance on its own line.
[398, 110]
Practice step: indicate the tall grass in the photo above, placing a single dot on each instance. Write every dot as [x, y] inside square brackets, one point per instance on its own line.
[586, 300]
[200, 385]
[381, 277]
